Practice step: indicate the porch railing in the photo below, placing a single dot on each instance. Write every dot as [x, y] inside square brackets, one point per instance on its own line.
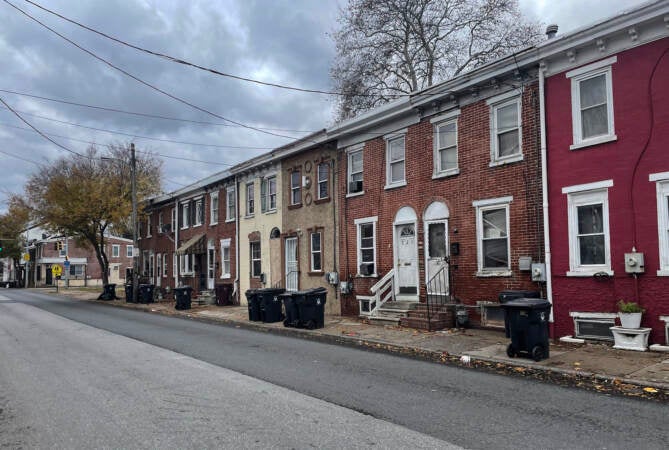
[438, 293]
[383, 291]
[282, 282]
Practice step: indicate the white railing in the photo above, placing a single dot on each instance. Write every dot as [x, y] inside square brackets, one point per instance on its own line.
[383, 290]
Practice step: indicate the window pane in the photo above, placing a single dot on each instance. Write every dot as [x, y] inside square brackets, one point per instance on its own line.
[295, 179]
[367, 242]
[494, 223]
[507, 143]
[593, 91]
[447, 135]
[590, 219]
[397, 149]
[495, 253]
[592, 249]
[595, 121]
[256, 268]
[437, 240]
[448, 158]
[315, 242]
[397, 172]
[322, 171]
[367, 255]
[356, 177]
[316, 261]
[507, 117]
[322, 190]
[367, 230]
[356, 161]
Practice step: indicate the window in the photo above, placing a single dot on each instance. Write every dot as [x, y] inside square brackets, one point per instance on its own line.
[213, 206]
[225, 258]
[662, 188]
[323, 175]
[592, 103]
[492, 231]
[355, 172]
[506, 131]
[174, 264]
[316, 252]
[164, 265]
[295, 187]
[116, 250]
[128, 251]
[186, 263]
[199, 212]
[148, 226]
[250, 205]
[174, 219]
[185, 215]
[446, 148]
[77, 270]
[256, 268]
[395, 162]
[366, 242]
[588, 217]
[159, 265]
[160, 222]
[231, 202]
[268, 194]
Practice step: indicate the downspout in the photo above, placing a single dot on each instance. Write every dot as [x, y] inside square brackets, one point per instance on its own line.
[544, 192]
[236, 286]
[176, 243]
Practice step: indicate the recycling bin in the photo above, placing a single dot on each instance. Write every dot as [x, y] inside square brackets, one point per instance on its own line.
[270, 304]
[128, 293]
[311, 308]
[526, 322]
[290, 307]
[224, 294]
[146, 293]
[108, 292]
[253, 300]
[183, 296]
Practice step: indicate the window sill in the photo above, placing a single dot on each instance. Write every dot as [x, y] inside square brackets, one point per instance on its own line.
[316, 273]
[357, 275]
[508, 160]
[225, 276]
[184, 228]
[395, 185]
[319, 201]
[594, 141]
[213, 224]
[663, 273]
[295, 206]
[197, 225]
[354, 194]
[271, 211]
[446, 174]
[249, 216]
[493, 273]
[588, 273]
[229, 220]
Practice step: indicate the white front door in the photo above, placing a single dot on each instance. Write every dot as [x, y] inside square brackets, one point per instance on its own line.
[291, 264]
[211, 272]
[406, 264]
[435, 255]
[159, 268]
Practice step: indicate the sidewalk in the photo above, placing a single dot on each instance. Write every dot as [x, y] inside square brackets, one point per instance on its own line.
[596, 367]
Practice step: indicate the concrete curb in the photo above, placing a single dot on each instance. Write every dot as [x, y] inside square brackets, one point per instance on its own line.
[590, 381]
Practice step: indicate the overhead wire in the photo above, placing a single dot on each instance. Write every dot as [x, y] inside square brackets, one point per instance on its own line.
[20, 157]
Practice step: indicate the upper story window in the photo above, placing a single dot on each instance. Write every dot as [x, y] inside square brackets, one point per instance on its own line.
[148, 226]
[355, 171]
[128, 251]
[225, 258]
[174, 219]
[592, 103]
[588, 220]
[231, 203]
[316, 252]
[662, 189]
[366, 245]
[199, 212]
[323, 180]
[116, 250]
[295, 187]
[185, 215]
[213, 207]
[492, 232]
[256, 266]
[446, 144]
[160, 222]
[395, 161]
[505, 129]
[268, 194]
[164, 265]
[250, 201]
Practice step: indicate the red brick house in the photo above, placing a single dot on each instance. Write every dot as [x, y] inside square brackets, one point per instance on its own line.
[607, 134]
[439, 198]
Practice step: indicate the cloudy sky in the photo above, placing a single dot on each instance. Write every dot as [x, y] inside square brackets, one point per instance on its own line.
[277, 41]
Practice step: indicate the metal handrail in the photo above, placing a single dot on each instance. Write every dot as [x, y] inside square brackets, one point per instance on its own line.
[437, 291]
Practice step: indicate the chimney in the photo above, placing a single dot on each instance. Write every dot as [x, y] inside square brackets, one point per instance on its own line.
[551, 31]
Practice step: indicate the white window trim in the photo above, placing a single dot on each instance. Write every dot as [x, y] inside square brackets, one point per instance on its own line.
[185, 263]
[319, 181]
[580, 195]
[160, 222]
[293, 189]
[185, 218]
[483, 205]
[116, 248]
[373, 220]
[391, 138]
[436, 164]
[312, 252]
[251, 260]
[496, 103]
[583, 73]
[662, 189]
[212, 196]
[247, 202]
[225, 243]
[164, 265]
[148, 226]
[268, 206]
[349, 152]
[174, 219]
[228, 191]
[129, 249]
[198, 219]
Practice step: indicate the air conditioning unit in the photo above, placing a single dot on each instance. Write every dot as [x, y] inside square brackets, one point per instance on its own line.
[167, 228]
[355, 186]
[367, 269]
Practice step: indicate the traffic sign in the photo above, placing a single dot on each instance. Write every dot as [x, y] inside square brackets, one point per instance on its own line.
[56, 270]
[66, 263]
[26, 256]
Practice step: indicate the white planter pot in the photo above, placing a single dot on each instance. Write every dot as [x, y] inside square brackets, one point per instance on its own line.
[630, 320]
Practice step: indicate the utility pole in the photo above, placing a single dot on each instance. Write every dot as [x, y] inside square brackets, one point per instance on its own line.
[135, 247]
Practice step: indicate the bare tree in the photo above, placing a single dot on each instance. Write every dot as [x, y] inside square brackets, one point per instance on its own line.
[389, 48]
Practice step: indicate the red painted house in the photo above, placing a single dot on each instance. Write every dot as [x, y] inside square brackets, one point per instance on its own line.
[607, 136]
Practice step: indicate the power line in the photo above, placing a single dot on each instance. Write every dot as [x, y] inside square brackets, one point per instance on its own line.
[197, 66]
[139, 80]
[20, 157]
[135, 113]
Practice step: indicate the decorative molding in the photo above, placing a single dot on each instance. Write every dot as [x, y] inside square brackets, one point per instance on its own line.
[634, 35]
[601, 45]
[571, 54]
[587, 186]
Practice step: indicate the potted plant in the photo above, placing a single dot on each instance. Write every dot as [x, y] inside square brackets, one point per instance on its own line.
[629, 314]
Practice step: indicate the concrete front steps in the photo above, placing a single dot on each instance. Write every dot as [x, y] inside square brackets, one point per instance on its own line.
[392, 312]
[439, 320]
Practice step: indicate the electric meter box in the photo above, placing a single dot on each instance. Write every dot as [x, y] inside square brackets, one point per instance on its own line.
[634, 263]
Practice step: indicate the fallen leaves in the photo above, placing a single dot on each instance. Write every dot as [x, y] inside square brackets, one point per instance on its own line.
[650, 390]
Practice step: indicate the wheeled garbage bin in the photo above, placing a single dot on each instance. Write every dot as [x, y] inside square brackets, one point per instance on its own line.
[290, 307]
[224, 294]
[526, 321]
[270, 304]
[182, 295]
[146, 293]
[311, 307]
[108, 293]
[128, 293]
[253, 301]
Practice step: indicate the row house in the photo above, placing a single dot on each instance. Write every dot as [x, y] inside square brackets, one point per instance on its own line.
[187, 237]
[439, 198]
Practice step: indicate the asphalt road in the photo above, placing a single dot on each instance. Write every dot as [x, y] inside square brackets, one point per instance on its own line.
[404, 401]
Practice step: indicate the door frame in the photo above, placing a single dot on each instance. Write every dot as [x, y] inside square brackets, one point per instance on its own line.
[297, 262]
[211, 264]
[396, 226]
[426, 225]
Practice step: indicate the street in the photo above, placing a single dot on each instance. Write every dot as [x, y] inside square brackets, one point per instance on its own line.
[83, 375]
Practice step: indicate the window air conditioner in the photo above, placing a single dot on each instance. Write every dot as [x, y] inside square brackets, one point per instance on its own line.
[366, 268]
[355, 186]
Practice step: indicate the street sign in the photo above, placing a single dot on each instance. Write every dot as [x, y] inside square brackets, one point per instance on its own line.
[56, 270]
[26, 256]
[66, 264]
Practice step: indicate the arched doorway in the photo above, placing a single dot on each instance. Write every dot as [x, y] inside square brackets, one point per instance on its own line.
[435, 219]
[406, 254]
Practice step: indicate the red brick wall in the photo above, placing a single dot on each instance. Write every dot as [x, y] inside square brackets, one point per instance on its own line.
[476, 181]
[617, 160]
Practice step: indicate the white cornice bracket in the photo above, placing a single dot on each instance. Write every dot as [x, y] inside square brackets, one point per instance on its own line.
[601, 45]
[633, 34]
[571, 54]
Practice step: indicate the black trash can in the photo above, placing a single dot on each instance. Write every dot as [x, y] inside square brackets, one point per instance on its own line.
[224, 294]
[182, 295]
[507, 296]
[253, 300]
[526, 321]
[128, 293]
[311, 307]
[108, 292]
[290, 307]
[146, 293]
[270, 304]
